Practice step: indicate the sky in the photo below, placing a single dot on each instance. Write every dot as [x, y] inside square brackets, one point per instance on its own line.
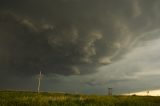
[146, 93]
[81, 46]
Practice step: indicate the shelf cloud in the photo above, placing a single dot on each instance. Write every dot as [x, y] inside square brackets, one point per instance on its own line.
[71, 37]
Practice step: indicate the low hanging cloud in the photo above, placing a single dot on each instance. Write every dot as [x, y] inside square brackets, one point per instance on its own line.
[71, 37]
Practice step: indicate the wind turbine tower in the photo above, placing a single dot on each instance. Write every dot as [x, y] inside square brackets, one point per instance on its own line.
[39, 81]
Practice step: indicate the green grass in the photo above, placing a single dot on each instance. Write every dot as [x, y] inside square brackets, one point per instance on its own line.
[10, 98]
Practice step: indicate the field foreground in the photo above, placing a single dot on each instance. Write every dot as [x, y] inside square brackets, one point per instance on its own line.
[10, 98]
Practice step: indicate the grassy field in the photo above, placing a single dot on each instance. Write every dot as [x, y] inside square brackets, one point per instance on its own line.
[10, 98]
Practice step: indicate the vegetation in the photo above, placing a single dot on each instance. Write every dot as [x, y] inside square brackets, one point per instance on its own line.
[10, 98]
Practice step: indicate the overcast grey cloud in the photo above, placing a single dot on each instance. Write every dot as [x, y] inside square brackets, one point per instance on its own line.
[77, 38]
[137, 71]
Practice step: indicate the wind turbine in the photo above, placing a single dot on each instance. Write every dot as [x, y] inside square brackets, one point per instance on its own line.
[39, 80]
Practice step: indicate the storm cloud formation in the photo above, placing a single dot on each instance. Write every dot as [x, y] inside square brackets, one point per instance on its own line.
[71, 37]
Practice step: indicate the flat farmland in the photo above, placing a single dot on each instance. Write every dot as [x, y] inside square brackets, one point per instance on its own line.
[23, 98]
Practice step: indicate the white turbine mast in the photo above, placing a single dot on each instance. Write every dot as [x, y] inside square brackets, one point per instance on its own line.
[39, 80]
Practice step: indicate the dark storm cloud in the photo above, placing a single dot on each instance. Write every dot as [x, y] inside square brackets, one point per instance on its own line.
[70, 36]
